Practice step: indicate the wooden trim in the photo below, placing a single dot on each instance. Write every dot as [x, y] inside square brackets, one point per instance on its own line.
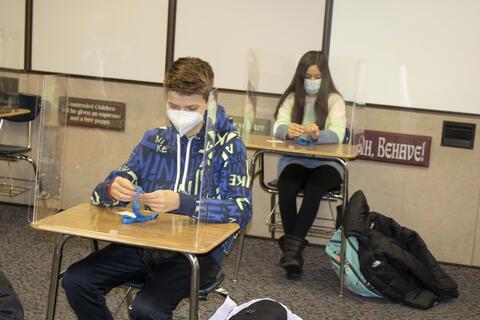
[257, 93]
[327, 27]
[172, 17]
[3, 69]
[419, 110]
[79, 76]
[27, 64]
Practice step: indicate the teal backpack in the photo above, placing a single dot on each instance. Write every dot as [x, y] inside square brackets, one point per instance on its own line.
[354, 280]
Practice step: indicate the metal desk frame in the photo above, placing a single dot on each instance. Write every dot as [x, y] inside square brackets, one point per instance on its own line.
[55, 278]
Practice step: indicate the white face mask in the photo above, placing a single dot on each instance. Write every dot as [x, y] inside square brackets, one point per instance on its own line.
[184, 121]
[312, 86]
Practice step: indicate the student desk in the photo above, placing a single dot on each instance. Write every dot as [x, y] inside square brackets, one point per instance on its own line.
[8, 112]
[169, 232]
[340, 153]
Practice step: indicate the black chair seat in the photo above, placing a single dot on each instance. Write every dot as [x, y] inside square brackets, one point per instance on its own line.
[10, 150]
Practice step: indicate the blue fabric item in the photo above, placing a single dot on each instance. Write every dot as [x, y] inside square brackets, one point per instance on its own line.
[136, 208]
[304, 141]
[153, 166]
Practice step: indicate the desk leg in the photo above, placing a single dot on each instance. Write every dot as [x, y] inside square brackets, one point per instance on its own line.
[343, 242]
[94, 245]
[54, 277]
[239, 254]
[194, 285]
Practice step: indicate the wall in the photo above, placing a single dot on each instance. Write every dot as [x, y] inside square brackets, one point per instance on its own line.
[440, 202]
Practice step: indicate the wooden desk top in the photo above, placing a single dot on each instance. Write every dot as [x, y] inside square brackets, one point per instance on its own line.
[169, 231]
[7, 112]
[260, 142]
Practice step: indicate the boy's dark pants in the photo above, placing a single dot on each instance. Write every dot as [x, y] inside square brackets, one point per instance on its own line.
[166, 278]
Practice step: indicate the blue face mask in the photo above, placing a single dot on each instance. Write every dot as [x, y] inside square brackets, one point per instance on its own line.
[312, 86]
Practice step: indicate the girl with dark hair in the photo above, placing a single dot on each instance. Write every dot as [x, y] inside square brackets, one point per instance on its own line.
[311, 108]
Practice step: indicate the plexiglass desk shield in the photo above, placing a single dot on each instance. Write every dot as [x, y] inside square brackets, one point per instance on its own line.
[257, 114]
[87, 143]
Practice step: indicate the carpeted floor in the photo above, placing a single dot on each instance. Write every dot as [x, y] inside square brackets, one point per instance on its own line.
[26, 256]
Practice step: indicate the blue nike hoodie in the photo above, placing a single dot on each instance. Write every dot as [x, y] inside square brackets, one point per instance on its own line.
[164, 160]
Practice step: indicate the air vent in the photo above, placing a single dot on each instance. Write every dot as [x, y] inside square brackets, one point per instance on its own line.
[458, 134]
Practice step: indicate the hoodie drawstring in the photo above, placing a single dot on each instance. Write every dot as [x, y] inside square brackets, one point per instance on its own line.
[180, 188]
[175, 188]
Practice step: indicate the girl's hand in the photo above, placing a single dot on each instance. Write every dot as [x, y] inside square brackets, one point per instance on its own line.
[312, 131]
[295, 130]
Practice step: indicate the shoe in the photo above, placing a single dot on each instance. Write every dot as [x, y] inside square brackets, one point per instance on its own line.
[292, 259]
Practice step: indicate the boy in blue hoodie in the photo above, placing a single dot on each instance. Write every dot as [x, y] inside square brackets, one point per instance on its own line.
[166, 164]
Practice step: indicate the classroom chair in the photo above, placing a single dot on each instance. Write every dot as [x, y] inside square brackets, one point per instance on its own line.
[10, 152]
[322, 227]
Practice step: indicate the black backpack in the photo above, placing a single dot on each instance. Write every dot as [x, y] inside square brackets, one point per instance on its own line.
[262, 310]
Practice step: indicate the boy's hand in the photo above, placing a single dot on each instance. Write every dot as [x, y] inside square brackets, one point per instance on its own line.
[161, 200]
[122, 189]
[295, 130]
[312, 131]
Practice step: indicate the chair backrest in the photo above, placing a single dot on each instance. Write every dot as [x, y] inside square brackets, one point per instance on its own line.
[26, 101]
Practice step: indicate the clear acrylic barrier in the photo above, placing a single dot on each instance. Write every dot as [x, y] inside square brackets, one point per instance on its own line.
[350, 78]
[88, 129]
[265, 80]
[207, 168]
[79, 149]
[20, 102]
[251, 95]
[50, 135]
[348, 75]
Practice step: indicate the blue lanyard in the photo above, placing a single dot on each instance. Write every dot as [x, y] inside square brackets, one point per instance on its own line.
[137, 210]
